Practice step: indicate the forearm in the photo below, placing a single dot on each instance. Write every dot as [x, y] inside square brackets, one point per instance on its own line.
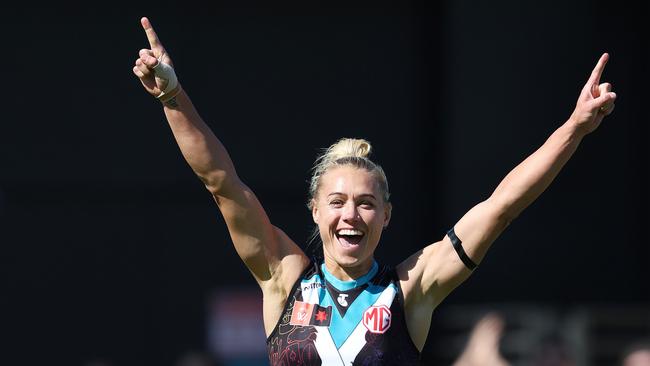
[482, 224]
[531, 177]
[201, 149]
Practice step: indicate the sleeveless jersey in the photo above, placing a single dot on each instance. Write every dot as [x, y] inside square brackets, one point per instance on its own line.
[327, 321]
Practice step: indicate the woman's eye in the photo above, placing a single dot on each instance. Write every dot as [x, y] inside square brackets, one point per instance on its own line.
[366, 204]
[336, 203]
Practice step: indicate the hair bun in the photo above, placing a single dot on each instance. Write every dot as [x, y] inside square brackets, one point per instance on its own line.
[346, 151]
[348, 147]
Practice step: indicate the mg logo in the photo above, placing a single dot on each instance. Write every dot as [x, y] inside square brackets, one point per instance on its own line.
[377, 319]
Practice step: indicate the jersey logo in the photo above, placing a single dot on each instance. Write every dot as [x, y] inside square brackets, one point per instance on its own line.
[377, 319]
[310, 314]
[342, 299]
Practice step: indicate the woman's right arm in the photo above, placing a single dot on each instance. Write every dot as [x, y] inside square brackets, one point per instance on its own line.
[267, 252]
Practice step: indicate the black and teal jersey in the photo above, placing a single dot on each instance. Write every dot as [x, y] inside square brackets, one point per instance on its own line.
[327, 321]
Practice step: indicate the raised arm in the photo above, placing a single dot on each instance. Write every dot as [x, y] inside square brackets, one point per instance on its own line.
[264, 249]
[439, 268]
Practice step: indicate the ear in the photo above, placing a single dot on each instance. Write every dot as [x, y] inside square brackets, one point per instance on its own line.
[314, 211]
[388, 209]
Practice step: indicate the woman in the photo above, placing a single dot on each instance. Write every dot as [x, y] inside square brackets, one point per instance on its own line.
[348, 309]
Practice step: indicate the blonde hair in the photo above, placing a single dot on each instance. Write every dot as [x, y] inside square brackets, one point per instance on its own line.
[346, 151]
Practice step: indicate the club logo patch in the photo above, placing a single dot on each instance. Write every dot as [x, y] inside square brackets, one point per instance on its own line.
[377, 319]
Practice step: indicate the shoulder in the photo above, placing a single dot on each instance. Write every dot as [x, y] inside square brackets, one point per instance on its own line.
[286, 272]
[277, 291]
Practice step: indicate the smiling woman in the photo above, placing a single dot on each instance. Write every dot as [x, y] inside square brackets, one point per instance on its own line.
[350, 205]
[348, 309]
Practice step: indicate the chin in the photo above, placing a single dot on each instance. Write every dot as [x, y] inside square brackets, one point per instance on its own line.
[349, 257]
[350, 260]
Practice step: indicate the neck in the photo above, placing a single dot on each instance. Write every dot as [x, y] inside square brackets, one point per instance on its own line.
[348, 273]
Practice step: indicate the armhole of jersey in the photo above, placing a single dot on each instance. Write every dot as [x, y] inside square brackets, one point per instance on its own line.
[400, 298]
[291, 294]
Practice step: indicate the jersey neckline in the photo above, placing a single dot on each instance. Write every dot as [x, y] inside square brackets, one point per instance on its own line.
[348, 285]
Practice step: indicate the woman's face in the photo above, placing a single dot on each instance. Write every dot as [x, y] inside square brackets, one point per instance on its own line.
[350, 212]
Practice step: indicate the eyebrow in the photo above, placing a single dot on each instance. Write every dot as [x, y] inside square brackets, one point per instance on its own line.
[361, 195]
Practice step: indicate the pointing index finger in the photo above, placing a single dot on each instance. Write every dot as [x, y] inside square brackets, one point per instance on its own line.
[154, 42]
[598, 70]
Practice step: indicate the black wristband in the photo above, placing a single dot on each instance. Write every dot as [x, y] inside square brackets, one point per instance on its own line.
[458, 246]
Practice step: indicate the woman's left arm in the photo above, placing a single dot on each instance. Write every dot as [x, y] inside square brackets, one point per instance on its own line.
[441, 267]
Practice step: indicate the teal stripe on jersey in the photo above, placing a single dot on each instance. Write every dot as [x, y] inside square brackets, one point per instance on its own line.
[349, 285]
[341, 327]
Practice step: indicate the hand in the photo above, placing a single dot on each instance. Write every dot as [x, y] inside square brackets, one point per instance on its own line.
[484, 343]
[149, 59]
[595, 102]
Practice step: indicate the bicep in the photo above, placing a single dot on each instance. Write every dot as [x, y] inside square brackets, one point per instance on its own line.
[439, 269]
[480, 227]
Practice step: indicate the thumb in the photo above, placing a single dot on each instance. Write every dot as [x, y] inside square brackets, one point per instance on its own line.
[595, 91]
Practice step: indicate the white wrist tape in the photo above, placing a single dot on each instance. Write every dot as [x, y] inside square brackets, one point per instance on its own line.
[166, 72]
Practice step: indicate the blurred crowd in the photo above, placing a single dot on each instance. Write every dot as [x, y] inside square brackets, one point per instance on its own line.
[189, 358]
[482, 348]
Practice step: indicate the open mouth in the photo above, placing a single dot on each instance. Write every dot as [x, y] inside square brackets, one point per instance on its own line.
[349, 237]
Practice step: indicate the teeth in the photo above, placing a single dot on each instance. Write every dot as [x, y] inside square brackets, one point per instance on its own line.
[350, 232]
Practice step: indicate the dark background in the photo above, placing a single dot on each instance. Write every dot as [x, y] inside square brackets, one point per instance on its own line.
[109, 246]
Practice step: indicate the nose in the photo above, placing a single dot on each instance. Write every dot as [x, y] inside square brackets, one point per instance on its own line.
[350, 212]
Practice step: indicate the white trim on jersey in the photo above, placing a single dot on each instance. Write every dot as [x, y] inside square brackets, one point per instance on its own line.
[352, 346]
[311, 289]
[326, 348]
